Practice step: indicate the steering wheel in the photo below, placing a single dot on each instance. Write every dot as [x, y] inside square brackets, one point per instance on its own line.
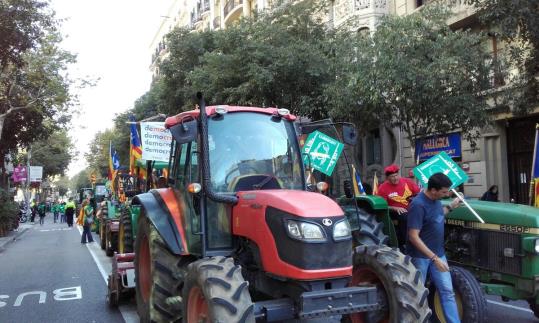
[237, 169]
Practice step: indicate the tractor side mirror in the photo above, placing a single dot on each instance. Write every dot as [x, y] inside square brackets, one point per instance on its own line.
[185, 131]
[349, 134]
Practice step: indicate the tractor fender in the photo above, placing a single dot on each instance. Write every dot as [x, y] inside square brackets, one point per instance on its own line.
[161, 208]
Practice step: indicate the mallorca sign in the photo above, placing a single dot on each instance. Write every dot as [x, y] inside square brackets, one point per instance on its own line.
[441, 163]
[324, 152]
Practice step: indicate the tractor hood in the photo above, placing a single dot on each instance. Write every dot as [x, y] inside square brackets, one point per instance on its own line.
[517, 215]
[299, 203]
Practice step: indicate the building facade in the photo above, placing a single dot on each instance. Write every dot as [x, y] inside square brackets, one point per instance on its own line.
[503, 155]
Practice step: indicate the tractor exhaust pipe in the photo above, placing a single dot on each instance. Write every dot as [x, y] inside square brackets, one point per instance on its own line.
[206, 182]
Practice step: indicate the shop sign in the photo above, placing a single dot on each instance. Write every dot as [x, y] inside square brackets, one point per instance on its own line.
[431, 146]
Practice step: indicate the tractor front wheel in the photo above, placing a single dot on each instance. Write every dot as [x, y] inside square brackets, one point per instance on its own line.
[125, 239]
[471, 302]
[159, 276]
[215, 291]
[112, 241]
[404, 294]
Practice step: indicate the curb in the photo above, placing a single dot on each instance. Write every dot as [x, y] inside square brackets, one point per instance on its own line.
[11, 239]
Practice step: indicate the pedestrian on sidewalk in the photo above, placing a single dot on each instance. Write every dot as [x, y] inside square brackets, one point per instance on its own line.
[86, 220]
[70, 208]
[41, 210]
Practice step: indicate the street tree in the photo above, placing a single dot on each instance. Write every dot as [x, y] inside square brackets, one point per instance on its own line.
[416, 73]
[516, 23]
[54, 154]
[80, 180]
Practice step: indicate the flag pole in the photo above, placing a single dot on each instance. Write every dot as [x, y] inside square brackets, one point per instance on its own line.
[532, 177]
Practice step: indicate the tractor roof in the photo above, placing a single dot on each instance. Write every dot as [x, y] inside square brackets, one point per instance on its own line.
[210, 110]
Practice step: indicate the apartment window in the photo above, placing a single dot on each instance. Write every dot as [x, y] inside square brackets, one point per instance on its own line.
[374, 147]
[419, 3]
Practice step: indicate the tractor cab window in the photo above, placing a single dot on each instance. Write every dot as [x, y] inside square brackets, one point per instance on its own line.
[250, 151]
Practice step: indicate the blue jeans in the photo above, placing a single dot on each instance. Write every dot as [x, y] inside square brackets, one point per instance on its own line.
[86, 234]
[444, 285]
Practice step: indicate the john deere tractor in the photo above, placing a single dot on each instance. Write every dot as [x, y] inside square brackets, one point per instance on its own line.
[237, 236]
[372, 223]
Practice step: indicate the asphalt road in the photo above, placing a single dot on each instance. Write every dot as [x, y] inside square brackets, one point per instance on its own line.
[47, 275]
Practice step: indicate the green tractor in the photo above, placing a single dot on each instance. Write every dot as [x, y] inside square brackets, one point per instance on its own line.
[372, 223]
[145, 178]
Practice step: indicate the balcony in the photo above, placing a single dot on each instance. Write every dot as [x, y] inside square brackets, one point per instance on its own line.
[195, 18]
[232, 10]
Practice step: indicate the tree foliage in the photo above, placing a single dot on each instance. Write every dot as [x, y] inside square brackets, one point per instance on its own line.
[518, 24]
[417, 73]
[34, 87]
[53, 153]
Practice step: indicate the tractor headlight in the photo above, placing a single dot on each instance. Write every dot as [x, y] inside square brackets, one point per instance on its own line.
[537, 246]
[305, 231]
[342, 230]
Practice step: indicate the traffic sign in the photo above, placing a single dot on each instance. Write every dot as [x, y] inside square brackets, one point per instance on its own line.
[324, 152]
[441, 163]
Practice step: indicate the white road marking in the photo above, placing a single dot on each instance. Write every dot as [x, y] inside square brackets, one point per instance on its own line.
[129, 312]
[510, 306]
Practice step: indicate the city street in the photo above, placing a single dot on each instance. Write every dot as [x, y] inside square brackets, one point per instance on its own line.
[48, 276]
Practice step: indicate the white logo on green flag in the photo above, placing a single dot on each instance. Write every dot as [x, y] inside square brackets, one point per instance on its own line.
[324, 152]
[441, 163]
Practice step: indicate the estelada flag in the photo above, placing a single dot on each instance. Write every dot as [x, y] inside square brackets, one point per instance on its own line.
[135, 152]
[358, 186]
[535, 171]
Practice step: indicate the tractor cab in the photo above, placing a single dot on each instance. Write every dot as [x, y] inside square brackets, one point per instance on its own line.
[239, 236]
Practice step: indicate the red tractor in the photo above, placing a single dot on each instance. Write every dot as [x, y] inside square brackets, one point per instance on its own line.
[238, 237]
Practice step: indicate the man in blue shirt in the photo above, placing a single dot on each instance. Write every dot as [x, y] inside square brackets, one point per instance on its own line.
[426, 240]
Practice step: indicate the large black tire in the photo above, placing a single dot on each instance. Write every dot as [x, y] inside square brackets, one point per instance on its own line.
[165, 272]
[371, 232]
[102, 234]
[468, 294]
[218, 283]
[534, 307]
[126, 232]
[112, 242]
[393, 272]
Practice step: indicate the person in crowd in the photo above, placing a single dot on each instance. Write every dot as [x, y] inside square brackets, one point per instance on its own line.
[86, 220]
[398, 191]
[41, 211]
[61, 210]
[55, 211]
[70, 209]
[33, 208]
[491, 194]
[426, 240]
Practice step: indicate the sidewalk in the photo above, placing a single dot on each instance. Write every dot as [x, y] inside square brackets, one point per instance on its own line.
[13, 235]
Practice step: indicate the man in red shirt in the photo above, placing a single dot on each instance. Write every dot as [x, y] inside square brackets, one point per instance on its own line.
[398, 191]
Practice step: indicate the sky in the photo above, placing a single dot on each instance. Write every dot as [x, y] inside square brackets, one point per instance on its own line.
[111, 39]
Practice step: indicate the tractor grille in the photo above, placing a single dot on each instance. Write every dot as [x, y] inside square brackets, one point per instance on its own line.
[490, 246]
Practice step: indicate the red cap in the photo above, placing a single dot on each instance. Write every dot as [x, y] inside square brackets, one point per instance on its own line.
[411, 173]
[391, 169]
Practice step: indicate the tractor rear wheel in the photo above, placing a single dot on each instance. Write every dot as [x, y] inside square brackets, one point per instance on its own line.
[102, 226]
[215, 291]
[391, 271]
[125, 238]
[534, 307]
[370, 230]
[159, 276]
[471, 302]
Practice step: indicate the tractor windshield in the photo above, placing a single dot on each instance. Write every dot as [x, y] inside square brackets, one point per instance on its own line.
[250, 151]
